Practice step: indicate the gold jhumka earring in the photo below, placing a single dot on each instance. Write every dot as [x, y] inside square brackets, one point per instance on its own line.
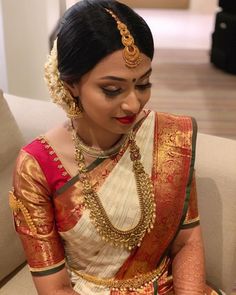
[74, 111]
[58, 91]
[131, 53]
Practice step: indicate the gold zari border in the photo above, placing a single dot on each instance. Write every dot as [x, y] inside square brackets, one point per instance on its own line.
[132, 284]
[41, 269]
[191, 221]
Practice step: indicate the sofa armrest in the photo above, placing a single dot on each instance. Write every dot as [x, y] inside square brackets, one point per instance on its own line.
[34, 117]
[216, 185]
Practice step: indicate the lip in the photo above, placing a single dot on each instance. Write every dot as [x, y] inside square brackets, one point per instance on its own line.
[127, 120]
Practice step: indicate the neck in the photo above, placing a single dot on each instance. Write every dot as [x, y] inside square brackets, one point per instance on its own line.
[101, 139]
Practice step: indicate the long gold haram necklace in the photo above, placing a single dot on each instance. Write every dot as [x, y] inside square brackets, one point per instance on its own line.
[119, 238]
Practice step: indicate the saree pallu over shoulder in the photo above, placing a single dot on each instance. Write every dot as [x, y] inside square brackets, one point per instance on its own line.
[172, 173]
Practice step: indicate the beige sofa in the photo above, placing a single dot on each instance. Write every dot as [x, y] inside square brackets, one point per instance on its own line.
[21, 119]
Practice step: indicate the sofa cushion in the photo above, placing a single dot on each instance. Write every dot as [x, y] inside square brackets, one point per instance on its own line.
[33, 116]
[11, 251]
[21, 120]
[216, 184]
[11, 140]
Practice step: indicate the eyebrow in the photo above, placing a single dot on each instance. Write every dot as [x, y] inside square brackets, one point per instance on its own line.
[123, 79]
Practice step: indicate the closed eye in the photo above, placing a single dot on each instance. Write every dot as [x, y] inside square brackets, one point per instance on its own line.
[143, 87]
[111, 93]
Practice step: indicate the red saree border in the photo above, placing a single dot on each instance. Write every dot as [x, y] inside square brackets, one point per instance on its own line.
[172, 160]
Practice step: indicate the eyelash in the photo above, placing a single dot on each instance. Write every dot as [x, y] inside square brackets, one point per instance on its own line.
[116, 92]
[144, 86]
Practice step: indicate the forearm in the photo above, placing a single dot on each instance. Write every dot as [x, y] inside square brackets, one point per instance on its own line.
[54, 284]
[189, 269]
[61, 291]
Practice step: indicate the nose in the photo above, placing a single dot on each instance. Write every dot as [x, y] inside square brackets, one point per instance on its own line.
[131, 104]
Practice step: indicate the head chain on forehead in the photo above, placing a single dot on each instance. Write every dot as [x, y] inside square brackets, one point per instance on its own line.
[131, 53]
[59, 93]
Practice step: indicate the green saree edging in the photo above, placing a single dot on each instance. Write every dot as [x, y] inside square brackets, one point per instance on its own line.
[74, 179]
[155, 285]
[47, 272]
[190, 225]
[188, 188]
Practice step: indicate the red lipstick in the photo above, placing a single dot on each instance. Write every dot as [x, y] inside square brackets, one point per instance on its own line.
[126, 120]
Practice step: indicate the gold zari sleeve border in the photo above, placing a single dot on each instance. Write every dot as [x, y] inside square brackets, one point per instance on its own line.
[132, 284]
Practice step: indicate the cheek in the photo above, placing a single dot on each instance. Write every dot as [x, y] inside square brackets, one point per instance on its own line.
[146, 97]
[97, 105]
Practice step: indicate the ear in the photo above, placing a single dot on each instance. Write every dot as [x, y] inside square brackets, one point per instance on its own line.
[73, 88]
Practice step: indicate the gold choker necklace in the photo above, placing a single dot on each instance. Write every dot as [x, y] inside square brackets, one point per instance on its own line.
[97, 153]
[123, 238]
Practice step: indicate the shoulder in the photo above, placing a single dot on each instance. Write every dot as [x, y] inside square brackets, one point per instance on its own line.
[39, 146]
[28, 174]
[35, 159]
[59, 131]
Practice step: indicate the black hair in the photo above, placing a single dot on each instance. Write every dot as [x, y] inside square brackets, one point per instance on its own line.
[88, 33]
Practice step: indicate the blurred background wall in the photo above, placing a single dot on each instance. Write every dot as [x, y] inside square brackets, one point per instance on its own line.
[25, 29]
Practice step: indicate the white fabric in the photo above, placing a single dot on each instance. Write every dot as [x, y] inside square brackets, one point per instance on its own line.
[90, 254]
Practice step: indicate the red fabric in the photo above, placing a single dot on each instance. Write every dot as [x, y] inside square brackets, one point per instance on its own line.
[41, 153]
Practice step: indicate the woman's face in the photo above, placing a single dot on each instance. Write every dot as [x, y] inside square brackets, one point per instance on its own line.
[113, 95]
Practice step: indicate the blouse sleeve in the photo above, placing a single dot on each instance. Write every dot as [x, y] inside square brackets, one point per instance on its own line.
[34, 219]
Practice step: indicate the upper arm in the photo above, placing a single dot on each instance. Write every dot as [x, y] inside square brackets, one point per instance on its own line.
[34, 217]
[190, 236]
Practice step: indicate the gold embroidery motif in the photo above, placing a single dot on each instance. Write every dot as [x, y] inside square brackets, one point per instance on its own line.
[51, 152]
[17, 205]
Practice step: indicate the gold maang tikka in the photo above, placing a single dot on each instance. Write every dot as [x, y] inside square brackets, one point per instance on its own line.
[58, 92]
[131, 53]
